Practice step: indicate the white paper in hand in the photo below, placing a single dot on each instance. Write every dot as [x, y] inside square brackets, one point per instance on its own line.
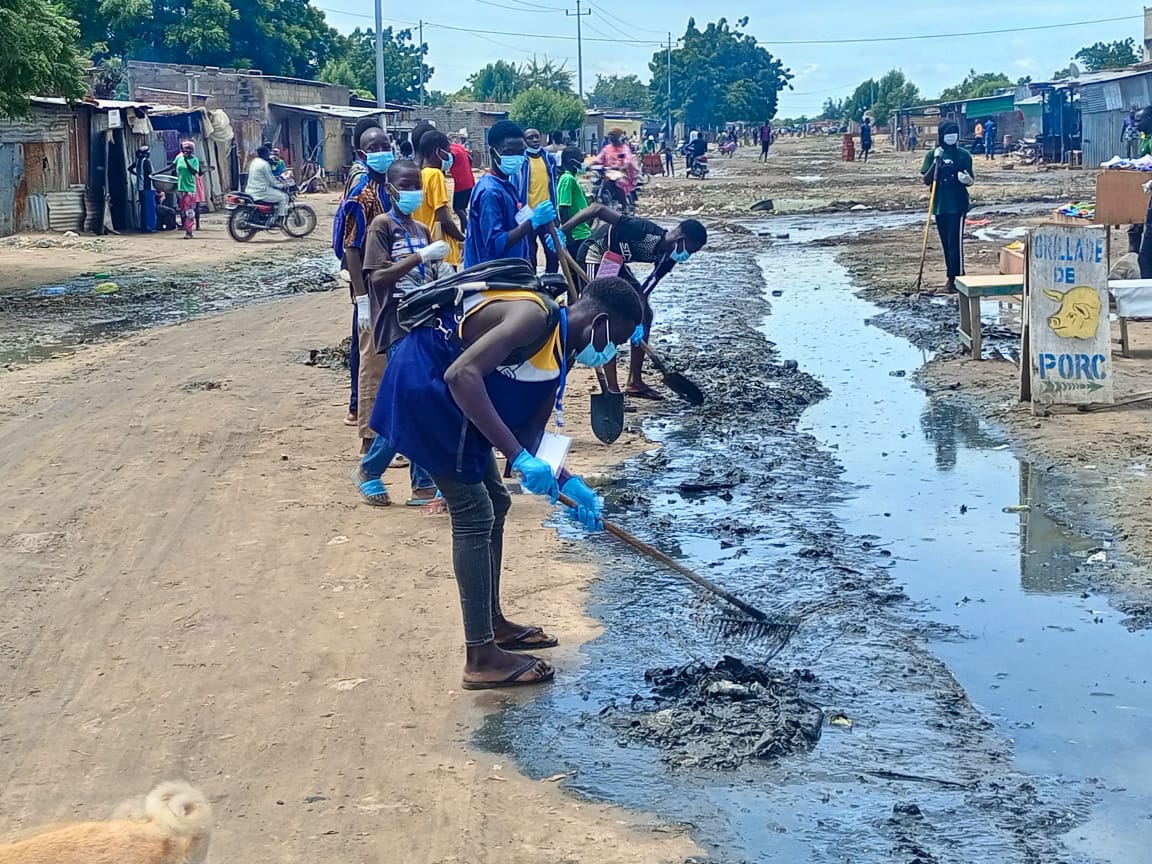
[554, 449]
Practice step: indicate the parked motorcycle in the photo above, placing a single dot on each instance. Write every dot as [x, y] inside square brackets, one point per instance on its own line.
[606, 191]
[699, 168]
[249, 217]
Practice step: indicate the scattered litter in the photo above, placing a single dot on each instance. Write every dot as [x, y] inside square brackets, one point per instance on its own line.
[345, 684]
[1098, 558]
[837, 718]
[105, 288]
[1017, 508]
[897, 373]
[338, 540]
[556, 778]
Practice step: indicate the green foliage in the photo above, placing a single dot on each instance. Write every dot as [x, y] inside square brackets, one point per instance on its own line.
[1108, 55]
[621, 91]
[976, 85]
[547, 76]
[39, 56]
[834, 109]
[719, 74]
[547, 110]
[355, 65]
[110, 79]
[435, 98]
[503, 81]
[280, 37]
[880, 99]
[1024, 81]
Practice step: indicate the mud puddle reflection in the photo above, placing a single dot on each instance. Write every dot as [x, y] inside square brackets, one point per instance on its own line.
[819, 523]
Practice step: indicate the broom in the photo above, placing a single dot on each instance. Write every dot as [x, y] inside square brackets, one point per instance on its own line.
[927, 226]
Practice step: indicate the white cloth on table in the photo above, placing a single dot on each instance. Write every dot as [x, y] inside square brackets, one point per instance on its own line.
[1133, 297]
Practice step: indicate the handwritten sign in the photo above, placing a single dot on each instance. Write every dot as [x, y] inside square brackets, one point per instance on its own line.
[1071, 352]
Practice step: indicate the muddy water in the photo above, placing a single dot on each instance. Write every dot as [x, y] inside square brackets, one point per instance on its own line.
[997, 704]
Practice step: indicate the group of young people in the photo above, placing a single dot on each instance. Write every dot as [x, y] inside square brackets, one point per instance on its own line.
[487, 372]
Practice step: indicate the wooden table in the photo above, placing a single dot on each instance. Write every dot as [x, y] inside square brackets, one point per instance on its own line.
[971, 290]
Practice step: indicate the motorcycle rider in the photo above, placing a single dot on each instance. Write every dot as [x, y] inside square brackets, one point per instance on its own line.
[263, 185]
[617, 155]
[697, 148]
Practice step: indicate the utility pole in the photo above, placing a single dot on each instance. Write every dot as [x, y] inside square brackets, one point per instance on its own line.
[379, 55]
[579, 47]
[668, 138]
[421, 62]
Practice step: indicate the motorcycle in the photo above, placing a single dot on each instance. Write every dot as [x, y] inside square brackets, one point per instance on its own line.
[249, 217]
[699, 167]
[606, 191]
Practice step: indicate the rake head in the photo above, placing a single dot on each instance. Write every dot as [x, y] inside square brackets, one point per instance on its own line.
[769, 635]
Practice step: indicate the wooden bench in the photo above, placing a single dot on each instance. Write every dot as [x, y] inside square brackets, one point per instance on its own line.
[971, 290]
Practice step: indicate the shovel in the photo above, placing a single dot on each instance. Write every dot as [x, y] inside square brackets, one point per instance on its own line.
[607, 413]
[675, 381]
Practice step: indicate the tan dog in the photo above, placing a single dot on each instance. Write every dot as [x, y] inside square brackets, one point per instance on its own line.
[171, 825]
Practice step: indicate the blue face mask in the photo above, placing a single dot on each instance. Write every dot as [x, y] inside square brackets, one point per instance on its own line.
[532, 151]
[510, 165]
[380, 162]
[409, 202]
[589, 356]
[449, 162]
[680, 255]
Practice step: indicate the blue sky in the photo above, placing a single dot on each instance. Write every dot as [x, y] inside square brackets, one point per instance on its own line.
[821, 70]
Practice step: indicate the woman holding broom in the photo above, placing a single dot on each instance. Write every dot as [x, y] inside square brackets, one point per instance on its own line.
[948, 170]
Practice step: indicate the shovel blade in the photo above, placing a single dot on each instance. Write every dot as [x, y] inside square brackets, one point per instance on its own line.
[607, 416]
[684, 388]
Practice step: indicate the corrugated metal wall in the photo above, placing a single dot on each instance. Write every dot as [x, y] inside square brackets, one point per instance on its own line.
[1103, 107]
[1101, 136]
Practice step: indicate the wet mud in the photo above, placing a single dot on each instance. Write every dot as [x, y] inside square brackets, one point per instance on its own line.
[51, 320]
[912, 769]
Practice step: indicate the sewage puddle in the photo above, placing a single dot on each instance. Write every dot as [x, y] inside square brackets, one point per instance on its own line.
[994, 707]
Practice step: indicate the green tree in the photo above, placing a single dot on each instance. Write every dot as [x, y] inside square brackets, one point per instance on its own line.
[834, 109]
[620, 91]
[547, 76]
[719, 74]
[1024, 81]
[435, 98]
[547, 110]
[880, 99]
[976, 85]
[1108, 55]
[355, 65]
[497, 82]
[39, 57]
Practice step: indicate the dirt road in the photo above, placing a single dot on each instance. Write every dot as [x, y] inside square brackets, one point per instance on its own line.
[192, 589]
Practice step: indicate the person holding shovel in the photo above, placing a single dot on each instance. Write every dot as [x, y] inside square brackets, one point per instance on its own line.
[948, 170]
[622, 240]
[487, 373]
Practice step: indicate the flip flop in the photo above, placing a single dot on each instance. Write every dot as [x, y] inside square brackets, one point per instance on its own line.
[419, 502]
[519, 641]
[512, 680]
[398, 461]
[647, 393]
[372, 491]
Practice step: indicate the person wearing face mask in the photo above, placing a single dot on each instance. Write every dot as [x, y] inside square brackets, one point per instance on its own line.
[366, 199]
[570, 197]
[489, 375]
[634, 241]
[499, 219]
[435, 211]
[618, 155]
[949, 166]
[399, 256]
[187, 168]
[537, 184]
[463, 180]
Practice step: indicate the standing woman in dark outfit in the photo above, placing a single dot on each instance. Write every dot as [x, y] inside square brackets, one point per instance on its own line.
[142, 173]
[950, 166]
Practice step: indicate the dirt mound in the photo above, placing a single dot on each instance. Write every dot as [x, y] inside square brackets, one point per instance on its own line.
[722, 715]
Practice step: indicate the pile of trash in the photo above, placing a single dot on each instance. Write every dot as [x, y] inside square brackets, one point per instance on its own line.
[722, 715]
[1144, 163]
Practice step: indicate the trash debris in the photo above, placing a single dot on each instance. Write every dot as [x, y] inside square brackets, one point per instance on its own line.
[1017, 508]
[339, 540]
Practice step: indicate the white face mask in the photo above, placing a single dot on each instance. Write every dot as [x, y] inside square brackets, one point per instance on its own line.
[951, 139]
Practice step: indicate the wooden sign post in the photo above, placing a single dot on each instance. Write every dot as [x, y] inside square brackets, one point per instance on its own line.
[1069, 335]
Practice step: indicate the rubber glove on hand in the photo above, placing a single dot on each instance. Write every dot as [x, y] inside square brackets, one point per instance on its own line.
[964, 177]
[1147, 187]
[589, 508]
[637, 335]
[363, 314]
[537, 475]
[938, 152]
[544, 213]
[437, 251]
[548, 240]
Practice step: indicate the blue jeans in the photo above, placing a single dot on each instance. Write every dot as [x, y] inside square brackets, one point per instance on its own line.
[381, 452]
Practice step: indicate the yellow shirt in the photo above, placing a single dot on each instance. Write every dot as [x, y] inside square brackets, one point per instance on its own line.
[436, 196]
[538, 189]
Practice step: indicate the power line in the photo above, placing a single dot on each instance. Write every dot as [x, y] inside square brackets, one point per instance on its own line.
[622, 22]
[541, 11]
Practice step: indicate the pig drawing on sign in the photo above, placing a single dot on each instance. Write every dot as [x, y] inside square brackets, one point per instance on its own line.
[1079, 312]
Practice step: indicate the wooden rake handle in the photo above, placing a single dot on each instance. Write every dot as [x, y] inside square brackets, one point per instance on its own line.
[672, 564]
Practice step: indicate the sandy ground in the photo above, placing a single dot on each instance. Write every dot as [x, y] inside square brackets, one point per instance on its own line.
[31, 260]
[193, 589]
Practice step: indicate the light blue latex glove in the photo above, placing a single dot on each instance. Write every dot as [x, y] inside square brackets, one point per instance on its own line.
[637, 335]
[544, 213]
[559, 236]
[589, 508]
[537, 475]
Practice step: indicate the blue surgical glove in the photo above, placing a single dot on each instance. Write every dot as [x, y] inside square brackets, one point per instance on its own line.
[559, 236]
[637, 335]
[544, 213]
[589, 508]
[537, 475]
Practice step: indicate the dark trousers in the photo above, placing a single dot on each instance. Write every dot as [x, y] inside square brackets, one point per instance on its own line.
[354, 364]
[147, 210]
[1145, 248]
[951, 228]
[477, 511]
[551, 259]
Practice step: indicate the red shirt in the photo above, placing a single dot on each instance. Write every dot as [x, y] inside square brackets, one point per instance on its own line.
[462, 168]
